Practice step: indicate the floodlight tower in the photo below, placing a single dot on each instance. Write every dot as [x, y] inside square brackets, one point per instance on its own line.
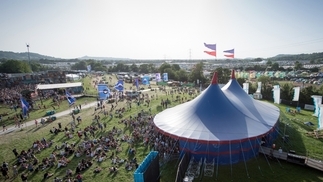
[29, 57]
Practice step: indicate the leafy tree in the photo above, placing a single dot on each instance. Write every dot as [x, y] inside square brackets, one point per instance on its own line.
[223, 74]
[286, 92]
[275, 66]
[241, 81]
[181, 75]
[164, 66]
[79, 66]
[151, 68]
[14, 66]
[266, 89]
[298, 65]
[134, 67]
[197, 73]
[171, 73]
[143, 68]
[176, 67]
[306, 93]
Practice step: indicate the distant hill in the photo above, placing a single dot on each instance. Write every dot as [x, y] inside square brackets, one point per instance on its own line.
[282, 55]
[101, 58]
[24, 56]
[298, 57]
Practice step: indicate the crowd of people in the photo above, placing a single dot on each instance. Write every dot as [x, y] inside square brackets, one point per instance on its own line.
[97, 144]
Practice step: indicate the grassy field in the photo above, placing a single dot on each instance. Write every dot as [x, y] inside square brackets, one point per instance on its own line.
[302, 140]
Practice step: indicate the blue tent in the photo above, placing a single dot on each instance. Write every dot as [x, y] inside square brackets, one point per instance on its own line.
[225, 125]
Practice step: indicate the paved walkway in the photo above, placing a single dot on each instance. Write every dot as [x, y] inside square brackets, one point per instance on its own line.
[30, 123]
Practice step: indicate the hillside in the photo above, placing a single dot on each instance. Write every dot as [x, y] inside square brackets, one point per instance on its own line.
[24, 56]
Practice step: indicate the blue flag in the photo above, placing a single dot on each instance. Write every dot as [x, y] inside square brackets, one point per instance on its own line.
[137, 83]
[89, 68]
[146, 80]
[104, 91]
[119, 86]
[70, 99]
[165, 77]
[24, 106]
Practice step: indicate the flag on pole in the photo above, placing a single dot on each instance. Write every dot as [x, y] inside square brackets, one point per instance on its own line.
[259, 88]
[317, 100]
[104, 91]
[246, 87]
[212, 47]
[158, 77]
[24, 106]
[146, 80]
[119, 86]
[165, 77]
[89, 68]
[320, 116]
[296, 93]
[276, 94]
[137, 83]
[229, 53]
[70, 99]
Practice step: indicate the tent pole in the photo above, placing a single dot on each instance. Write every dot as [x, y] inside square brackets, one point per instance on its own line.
[217, 162]
[266, 157]
[255, 156]
[244, 160]
[230, 159]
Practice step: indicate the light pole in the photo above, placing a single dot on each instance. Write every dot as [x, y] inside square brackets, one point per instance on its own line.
[29, 57]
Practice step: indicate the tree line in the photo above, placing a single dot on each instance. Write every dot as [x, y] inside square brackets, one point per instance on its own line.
[195, 75]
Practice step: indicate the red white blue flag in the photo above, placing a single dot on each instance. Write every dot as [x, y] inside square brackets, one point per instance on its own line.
[212, 52]
[229, 53]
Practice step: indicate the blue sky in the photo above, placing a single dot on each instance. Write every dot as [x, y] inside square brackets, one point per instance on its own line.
[161, 29]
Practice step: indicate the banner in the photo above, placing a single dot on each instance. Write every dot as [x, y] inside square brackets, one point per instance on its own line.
[137, 83]
[70, 99]
[320, 116]
[145, 80]
[119, 86]
[165, 77]
[317, 100]
[24, 106]
[158, 77]
[258, 91]
[246, 87]
[296, 93]
[89, 68]
[104, 91]
[276, 93]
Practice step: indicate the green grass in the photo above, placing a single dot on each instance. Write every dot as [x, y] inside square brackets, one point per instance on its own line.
[258, 169]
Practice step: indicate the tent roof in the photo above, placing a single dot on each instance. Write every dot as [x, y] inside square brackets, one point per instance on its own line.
[60, 85]
[218, 115]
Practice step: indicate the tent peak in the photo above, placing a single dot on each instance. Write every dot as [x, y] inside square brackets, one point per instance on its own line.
[233, 76]
[215, 78]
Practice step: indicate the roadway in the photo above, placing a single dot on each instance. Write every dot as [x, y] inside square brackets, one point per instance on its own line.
[12, 128]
